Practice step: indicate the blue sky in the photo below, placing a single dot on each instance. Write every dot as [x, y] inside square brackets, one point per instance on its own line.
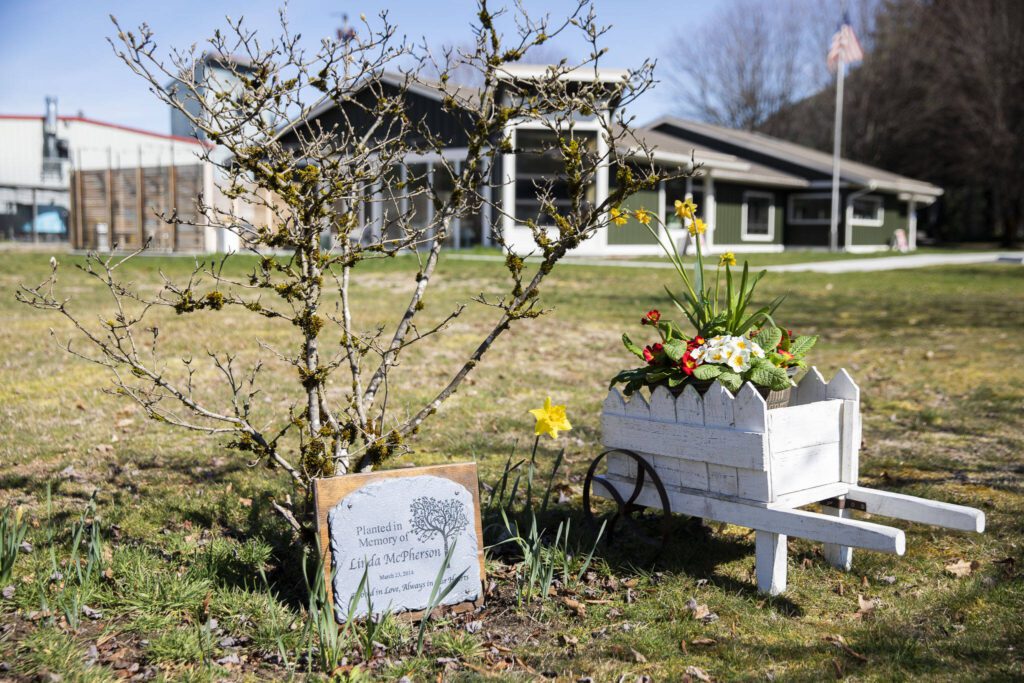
[58, 47]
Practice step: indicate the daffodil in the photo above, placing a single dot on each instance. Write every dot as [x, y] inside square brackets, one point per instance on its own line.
[727, 259]
[618, 217]
[550, 419]
[686, 209]
[697, 227]
[643, 215]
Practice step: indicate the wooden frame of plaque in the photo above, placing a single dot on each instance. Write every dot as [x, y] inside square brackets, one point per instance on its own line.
[327, 493]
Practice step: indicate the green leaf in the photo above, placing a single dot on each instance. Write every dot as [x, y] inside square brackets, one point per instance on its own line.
[769, 376]
[802, 344]
[768, 338]
[675, 349]
[627, 375]
[675, 380]
[631, 347]
[707, 371]
[730, 380]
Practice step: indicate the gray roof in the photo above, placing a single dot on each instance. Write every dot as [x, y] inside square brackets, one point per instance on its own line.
[726, 166]
[850, 171]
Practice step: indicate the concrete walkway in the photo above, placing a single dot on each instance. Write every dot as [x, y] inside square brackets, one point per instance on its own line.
[851, 265]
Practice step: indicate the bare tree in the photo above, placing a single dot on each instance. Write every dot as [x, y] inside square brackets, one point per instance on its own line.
[456, 62]
[935, 98]
[312, 176]
[752, 59]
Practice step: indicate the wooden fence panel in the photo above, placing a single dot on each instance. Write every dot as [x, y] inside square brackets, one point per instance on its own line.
[115, 198]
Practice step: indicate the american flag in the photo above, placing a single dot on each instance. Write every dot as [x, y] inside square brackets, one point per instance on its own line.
[845, 47]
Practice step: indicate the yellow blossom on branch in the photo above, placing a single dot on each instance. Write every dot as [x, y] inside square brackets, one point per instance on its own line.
[643, 215]
[550, 419]
[697, 227]
[727, 259]
[686, 209]
[618, 217]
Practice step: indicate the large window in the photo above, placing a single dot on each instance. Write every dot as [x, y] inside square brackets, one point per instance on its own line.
[758, 217]
[810, 209]
[539, 169]
[867, 210]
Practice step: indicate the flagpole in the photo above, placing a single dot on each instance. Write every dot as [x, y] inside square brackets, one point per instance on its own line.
[833, 242]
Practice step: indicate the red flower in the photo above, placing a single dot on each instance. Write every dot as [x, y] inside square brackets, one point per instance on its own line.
[785, 354]
[694, 343]
[687, 364]
[651, 351]
[652, 317]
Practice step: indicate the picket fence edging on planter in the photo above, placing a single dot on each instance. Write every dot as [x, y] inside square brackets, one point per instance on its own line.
[729, 458]
[735, 446]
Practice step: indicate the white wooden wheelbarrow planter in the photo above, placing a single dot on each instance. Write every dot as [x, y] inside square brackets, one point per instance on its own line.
[733, 460]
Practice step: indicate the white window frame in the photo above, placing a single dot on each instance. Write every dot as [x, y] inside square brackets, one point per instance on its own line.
[744, 235]
[584, 126]
[790, 214]
[879, 219]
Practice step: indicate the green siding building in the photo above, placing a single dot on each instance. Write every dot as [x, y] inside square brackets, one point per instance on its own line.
[754, 192]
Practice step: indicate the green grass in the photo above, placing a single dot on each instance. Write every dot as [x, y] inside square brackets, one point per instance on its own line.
[190, 536]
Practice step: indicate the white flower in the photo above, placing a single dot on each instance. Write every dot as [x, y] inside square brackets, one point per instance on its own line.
[698, 353]
[717, 355]
[738, 344]
[738, 362]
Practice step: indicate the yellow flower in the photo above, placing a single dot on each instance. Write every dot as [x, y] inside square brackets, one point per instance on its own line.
[550, 419]
[618, 217]
[727, 259]
[697, 227]
[642, 215]
[685, 209]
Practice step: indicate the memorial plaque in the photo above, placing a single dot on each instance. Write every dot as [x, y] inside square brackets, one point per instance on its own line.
[397, 527]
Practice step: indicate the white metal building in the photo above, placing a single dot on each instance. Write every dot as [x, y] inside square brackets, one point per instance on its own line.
[39, 152]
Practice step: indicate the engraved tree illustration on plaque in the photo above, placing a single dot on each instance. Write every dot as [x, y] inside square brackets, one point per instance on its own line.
[432, 516]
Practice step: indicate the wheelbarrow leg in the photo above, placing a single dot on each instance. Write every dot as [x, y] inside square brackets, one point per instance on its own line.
[771, 562]
[839, 556]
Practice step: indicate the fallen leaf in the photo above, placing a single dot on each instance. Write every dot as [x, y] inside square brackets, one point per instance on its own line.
[840, 642]
[962, 568]
[703, 641]
[698, 673]
[245, 502]
[700, 612]
[638, 658]
[682, 646]
[865, 607]
[576, 606]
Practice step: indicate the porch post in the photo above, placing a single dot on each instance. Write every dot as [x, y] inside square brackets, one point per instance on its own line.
[709, 210]
[486, 221]
[508, 187]
[662, 208]
[912, 224]
[601, 190]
